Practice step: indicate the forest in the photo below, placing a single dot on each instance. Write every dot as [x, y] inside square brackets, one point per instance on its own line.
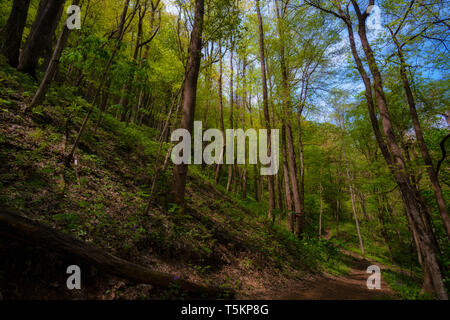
[120, 174]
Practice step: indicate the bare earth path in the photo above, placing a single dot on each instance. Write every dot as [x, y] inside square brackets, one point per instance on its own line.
[328, 287]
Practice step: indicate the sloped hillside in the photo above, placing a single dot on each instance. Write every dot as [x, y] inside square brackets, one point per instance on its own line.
[219, 240]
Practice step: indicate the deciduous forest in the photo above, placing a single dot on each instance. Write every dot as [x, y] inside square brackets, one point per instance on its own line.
[93, 94]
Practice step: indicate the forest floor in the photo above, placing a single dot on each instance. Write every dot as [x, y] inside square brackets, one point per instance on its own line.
[351, 286]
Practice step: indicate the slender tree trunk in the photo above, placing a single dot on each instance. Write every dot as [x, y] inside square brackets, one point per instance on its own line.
[422, 144]
[338, 200]
[103, 105]
[287, 188]
[355, 215]
[190, 93]
[41, 33]
[321, 203]
[278, 197]
[13, 31]
[222, 126]
[255, 166]
[230, 167]
[298, 207]
[380, 210]
[208, 80]
[302, 175]
[52, 66]
[266, 108]
[244, 102]
[351, 188]
[158, 168]
[362, 202]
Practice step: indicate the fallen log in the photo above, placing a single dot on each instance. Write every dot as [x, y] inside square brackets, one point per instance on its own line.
[23, 229]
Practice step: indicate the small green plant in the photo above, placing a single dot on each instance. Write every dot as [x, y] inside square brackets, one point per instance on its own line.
[405, 287]
[173, 208]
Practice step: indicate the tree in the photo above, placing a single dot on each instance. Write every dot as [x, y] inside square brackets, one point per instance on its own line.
[297, 195]
[270, 183]
[230, 167]
[390, 147]
[41, 34]
[14, 30]
[417, 127]
[52, 66]
[222, 126]
[189, 100]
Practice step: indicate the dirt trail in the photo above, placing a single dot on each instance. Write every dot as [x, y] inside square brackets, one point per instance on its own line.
[328, 287]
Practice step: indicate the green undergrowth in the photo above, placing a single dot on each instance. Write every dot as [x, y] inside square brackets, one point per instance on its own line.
[405, 287]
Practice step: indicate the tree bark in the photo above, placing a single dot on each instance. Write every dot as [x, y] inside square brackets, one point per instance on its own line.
[13, 31]
[270, 186]
[292, 166]
[190, 93]
[52, 66]
[287, 188]
[230, 167]
[41, 34]
[222, 126]
[352, 195]
[321, 203]
[422, 144]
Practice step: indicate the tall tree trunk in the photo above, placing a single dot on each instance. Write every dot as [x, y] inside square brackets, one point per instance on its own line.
[222, 126]
[362, 203]
[208, 80]
[422, 144]
[352, 195]
[350, 186]
[287, 188]
[230, 167]
[321, 203]
[52, 66]
[338, 200]
[298, 204]
[190, 93]
[103, 105]
[302, 175]
[256, 175]
[13, 31]
[380, 210]
[243, 104]
[278, 197]
[270, 186]
[393, 154]
[41, 34]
